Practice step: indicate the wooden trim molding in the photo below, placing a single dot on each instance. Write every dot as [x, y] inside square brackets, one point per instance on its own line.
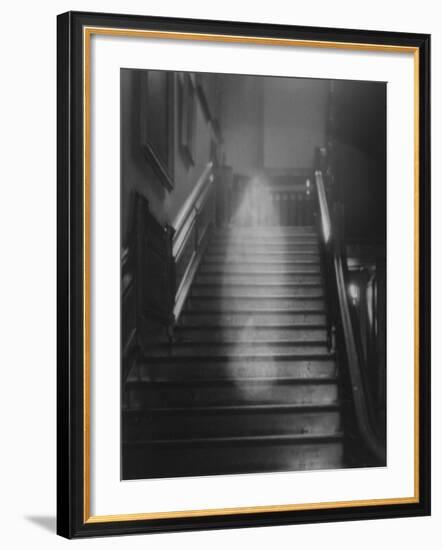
[192, 226]
[161, 161]
[187, 116]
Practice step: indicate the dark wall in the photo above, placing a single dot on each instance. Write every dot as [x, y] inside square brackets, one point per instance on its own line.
[272, 123]
[358, 132]
[295, 114]
[241, 122]
[358, 136]
[137, 173]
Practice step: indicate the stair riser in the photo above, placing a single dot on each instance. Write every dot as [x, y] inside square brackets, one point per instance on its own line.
[250, 333]
[161, 461]
[186, 370]
[262, 260]
[250, 360]
[260, 269]
[232, 291]
[244, 247]
[235, 350]
[259, 240]
[187, 425]
[254, 304]
[256, 256]
[259, 279]
[242, 394]
[242, 231]
[258, 319]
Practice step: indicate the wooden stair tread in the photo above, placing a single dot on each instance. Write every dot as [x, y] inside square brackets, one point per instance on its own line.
[254, 284]
[247, 355]
[258, 261]
[242, 440]
[242, 271]
[249, 384]
[234, 381]
[261, 311]
[299, 326]
[257, 408]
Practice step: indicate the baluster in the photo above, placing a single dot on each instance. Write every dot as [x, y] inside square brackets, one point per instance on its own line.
[265, 205]
[291, 220]
[301, 209]
[300, 212]
[246, 207]
[286, 208]
[296, 211]
[260, 206]
[308, 208]
[269, 208]
[197, 230]
[277, 208]
[273, 208]
[252, 210]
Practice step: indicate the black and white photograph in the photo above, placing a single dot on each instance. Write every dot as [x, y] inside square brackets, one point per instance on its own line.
[217, 300]
[253, 274]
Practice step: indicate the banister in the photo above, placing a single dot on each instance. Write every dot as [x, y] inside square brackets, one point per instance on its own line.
[186, 209]
[269, 202]
[181, 235]
[360, 399]
[323, 207]
[191, 231]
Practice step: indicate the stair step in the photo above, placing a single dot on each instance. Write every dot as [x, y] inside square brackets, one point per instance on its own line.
[257, 262]
[268, 230]
[258, 318]
[262, 391]
[258, 257]
[240, 350]
[250, 333]
[138, 381]
[259, 279]
[207, 456]
[253, 366]
[256, 290]
[262, 268]
[249, 384]
[244, 246]
[265, 240]
[249, 420]
[257, 303]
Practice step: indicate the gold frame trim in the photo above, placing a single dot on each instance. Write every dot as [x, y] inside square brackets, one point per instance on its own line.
[87, 33]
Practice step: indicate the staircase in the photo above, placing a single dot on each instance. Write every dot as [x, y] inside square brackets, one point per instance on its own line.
[249, 384]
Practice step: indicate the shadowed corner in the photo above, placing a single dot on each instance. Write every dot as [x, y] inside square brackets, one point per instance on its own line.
[48, 523]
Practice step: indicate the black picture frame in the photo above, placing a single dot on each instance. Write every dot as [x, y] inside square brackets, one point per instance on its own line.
[73, 514]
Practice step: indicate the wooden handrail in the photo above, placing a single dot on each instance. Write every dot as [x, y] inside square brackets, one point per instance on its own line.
[186, 209]
[191, 231]
[323, 207]
[360, 399]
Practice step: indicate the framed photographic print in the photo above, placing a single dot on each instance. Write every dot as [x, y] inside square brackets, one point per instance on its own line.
[243, 274]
